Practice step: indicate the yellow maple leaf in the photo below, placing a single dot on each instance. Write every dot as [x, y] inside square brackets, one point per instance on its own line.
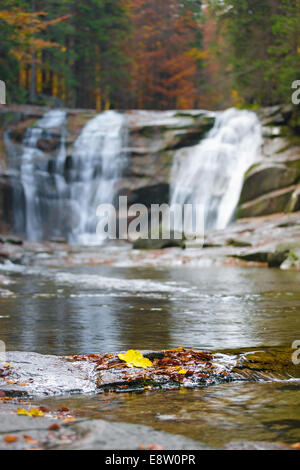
[22, 411]
[135, 359]
[181, 371]
[34, 412]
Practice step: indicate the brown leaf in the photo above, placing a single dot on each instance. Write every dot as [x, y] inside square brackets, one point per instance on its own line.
[63, 409]
[44, 409]
[54, 427]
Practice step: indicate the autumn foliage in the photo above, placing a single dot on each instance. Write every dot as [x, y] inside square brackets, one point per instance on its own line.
[165, 54]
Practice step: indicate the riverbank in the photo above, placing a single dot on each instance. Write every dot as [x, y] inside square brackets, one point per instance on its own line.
[261, 241]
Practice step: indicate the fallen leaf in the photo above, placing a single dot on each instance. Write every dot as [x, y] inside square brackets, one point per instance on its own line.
[54, 427]
[34, 412]
[135, 359]
[296, 446]
[70, 419]
[63, 409]
[29, 439]
[22, 411]
[10, 439]
[156, 447]
[44, 409]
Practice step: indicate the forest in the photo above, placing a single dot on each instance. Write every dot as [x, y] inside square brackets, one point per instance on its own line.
[149, 54]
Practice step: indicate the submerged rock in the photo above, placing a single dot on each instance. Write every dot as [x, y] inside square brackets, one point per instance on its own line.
[98, 434]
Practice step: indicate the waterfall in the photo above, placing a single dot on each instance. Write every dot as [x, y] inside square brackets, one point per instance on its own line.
[63, 192]
[211, 173]
[35, 178]
[98, 161]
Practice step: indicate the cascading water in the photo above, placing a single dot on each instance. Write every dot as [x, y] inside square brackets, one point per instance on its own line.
[61, 199]
[99, 159]
[34, 173]
[211, 173]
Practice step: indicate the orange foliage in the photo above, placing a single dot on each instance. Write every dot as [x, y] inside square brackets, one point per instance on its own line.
[26, 26]
[165, 60]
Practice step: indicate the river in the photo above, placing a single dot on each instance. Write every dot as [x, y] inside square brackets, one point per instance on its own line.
[68, 310]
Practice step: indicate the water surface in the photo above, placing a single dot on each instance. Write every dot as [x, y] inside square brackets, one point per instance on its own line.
[101, 309]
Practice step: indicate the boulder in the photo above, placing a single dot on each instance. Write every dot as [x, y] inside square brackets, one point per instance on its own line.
[271, 203]
[267, 177]
[285, 256]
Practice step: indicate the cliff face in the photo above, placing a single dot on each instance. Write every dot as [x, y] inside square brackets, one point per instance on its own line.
[271, 186]
[152, 139]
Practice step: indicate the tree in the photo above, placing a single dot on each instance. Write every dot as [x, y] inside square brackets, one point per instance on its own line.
[167, 52]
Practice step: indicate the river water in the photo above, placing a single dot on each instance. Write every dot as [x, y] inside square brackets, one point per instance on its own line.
[107, 308]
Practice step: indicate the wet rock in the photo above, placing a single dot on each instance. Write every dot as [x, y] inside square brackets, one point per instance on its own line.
[31, 433]
[148, 195]
[269, 364]
[102, 435]
[286, 255]
[51, 432]
[33, 375]
[48, 145]
[255, 445]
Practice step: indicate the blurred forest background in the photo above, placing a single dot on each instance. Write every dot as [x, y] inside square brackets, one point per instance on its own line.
[150, 54]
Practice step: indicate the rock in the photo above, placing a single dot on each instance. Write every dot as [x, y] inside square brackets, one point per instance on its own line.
[48, 145]
[151, 244]
[255, 445]
[267, 177]
[9, 187]
[285, 255]
[292, 261]
[14, 240]
[102, 435]
[95, 434]
[235, 242]
[294, 203]
[271, 203]
[36, 375]
[148, 195]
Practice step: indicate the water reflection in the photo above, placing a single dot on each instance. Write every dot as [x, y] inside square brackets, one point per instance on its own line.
[91, 309]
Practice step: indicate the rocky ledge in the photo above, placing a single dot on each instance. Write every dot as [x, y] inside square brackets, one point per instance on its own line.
[34, 375]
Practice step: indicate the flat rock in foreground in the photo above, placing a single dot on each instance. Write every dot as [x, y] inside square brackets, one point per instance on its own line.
[31, 374]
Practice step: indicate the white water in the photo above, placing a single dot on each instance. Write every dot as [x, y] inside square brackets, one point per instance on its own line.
[33, 173]
[211, 173]
[61, 202]
[100, 143]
